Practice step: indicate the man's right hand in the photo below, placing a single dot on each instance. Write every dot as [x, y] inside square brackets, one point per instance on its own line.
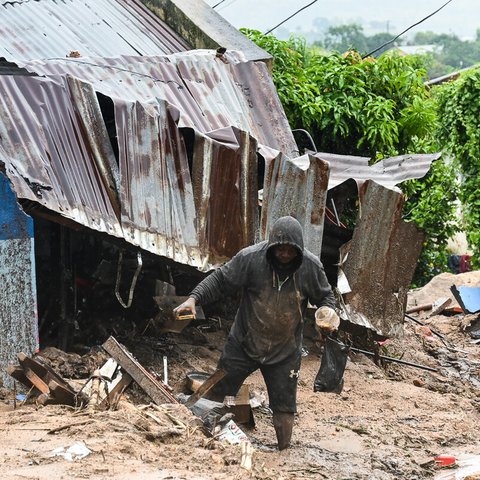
[187, 306]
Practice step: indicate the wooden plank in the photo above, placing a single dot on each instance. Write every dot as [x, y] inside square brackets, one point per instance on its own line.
[53, 388]
[16, 372]
[145, 380]
[62, 395]
[419, 308]
[41, 370]
[206, 386]
[36, 380]
[114, 394]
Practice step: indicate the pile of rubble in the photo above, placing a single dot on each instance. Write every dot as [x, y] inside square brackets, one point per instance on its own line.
[172, 415]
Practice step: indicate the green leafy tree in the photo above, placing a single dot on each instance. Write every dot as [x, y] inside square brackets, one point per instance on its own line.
[453, 53]
[459, 115]
[345, 37]
[370, 107]
[432, 206]
[378, 39]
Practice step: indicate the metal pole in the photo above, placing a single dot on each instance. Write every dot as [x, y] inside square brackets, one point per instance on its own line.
[395, 360]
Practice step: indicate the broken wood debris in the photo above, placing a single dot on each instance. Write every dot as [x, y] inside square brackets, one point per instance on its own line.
[206, 386]
[437, 307]
[52, 388]
[69, 425]
[247, 453]
[101, 391]
[154, 389]
[106, 385]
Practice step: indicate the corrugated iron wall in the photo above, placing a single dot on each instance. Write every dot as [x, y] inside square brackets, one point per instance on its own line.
[382, 258]
[299, 191]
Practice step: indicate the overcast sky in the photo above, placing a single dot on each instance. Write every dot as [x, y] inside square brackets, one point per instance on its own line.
[461, 17]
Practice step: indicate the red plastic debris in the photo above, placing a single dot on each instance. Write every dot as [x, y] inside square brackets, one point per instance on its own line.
[445, 460]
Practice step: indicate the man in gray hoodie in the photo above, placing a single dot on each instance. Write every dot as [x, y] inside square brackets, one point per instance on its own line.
[277, 278]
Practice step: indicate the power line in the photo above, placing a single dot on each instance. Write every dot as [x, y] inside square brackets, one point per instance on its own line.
[291, 16]
[406, 30]
[219, 3]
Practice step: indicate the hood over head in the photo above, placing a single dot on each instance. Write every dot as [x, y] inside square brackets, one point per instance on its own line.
[286, 231]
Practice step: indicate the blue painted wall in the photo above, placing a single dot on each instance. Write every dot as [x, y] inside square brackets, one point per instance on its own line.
[14, 223]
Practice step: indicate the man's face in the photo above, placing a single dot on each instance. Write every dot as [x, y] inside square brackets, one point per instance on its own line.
[284, 253]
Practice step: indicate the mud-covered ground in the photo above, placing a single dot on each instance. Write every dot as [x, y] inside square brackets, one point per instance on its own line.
[389, 422]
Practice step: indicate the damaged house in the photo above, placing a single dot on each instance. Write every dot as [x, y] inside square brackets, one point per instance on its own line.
[143, 144]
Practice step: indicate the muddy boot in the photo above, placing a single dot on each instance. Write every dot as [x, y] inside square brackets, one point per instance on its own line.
[283, 424]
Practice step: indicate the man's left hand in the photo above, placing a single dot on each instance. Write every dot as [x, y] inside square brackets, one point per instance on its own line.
[326, 320]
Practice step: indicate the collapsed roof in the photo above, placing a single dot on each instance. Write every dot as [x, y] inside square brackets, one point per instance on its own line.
[110, 120]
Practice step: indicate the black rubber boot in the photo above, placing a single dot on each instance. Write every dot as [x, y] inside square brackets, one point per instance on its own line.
[283, 424]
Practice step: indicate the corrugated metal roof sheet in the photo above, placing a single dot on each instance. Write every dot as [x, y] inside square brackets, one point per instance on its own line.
[210, 93]
[382, 258]
[57, 152]
[300, 192]
[48, 28]
[388, 172]
[148, 199]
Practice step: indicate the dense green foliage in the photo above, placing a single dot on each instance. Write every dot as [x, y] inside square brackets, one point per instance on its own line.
[432, 206]
[458, 106]
[372, 107]
[351, 106]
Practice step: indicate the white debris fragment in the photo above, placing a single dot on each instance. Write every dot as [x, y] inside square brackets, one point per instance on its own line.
[76, 452]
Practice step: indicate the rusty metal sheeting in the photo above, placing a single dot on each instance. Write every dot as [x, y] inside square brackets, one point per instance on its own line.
[57, 152]
[225, 187]
[297, 191]
[50, 150]
[142, 79]
[383, 254]
[233, 92]
[91, 27]
[209, 92]
[149, 198]
[18, 305]
[388, 172]
[156, 195]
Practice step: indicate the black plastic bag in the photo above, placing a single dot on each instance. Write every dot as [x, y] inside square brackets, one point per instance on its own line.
[332, 366]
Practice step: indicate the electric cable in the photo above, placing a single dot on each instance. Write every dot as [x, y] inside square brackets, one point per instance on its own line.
[406, 30]
[219, 3]
[291, 16]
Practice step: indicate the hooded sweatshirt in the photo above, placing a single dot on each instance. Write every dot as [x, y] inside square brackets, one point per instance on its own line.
[269, 321]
